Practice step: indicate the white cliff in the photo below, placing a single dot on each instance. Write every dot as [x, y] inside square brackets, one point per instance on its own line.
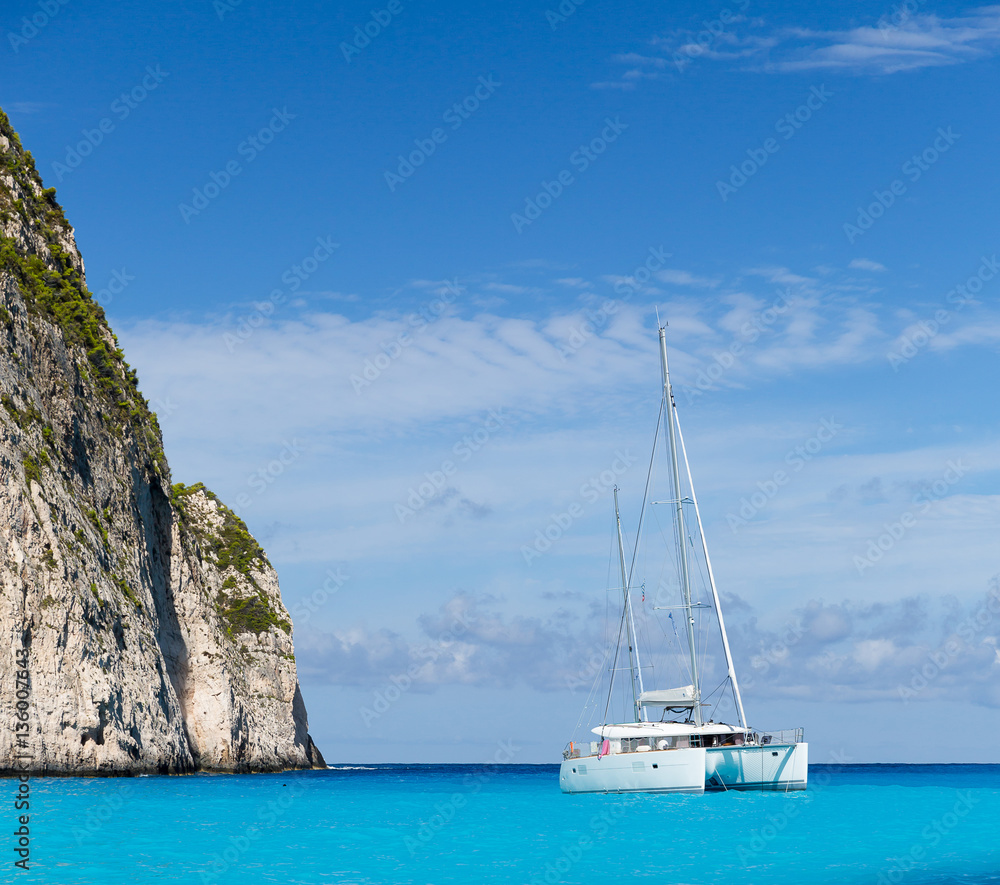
[151, 620]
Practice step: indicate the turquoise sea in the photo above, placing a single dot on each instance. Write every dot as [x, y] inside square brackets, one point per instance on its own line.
[508, 824]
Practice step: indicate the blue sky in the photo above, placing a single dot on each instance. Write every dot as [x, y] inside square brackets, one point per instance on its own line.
[340, 271]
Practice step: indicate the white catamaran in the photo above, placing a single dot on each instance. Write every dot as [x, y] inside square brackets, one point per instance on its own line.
[675, 750]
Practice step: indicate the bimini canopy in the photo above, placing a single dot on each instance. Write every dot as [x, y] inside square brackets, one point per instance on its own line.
[663, 729]
[670, 697]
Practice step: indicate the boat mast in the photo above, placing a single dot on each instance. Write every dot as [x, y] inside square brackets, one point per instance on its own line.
[668, 417]
[633, 648]
[711, 580]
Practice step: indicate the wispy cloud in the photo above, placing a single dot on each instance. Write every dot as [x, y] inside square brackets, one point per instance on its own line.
[28, 107]
[866, 264]
[885, 48]
[227, 413]
[303, 359]
[897, 42]
[685, 278]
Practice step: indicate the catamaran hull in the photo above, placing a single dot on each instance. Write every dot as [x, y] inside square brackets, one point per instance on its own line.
[658, 771]
[781, 767]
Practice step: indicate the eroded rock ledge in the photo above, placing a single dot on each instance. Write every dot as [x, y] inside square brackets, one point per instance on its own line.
[150, 619]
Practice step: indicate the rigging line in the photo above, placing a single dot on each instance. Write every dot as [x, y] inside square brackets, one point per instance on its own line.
[676, 661]
[607, 600]
[645, 494]
[592, 694]
[714, 690]
[642, 509]
[730, 666]
[675, 563]
[607, 628]
[683, 668]
[618, 645]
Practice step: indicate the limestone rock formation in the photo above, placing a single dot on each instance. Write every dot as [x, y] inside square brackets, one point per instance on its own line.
[143, 628]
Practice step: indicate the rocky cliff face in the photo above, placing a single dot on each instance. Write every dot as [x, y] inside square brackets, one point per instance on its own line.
[143, 628]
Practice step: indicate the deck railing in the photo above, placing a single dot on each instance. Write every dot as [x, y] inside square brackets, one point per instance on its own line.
[785, 736]
[639, 745]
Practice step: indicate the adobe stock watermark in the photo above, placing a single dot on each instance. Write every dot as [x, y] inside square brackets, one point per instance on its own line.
[895, 531]
[115, 286]
[773, 654]
[796, 458]
[22, 756]
[32, 27]
[776, 652]
[564, 11]
[913, 343]
[121, 108]
[249, 149]
[787, 127]
[448, 808]
[897, 17]
[598, 319]
[704, 40]
[224, 7]
[914, 169]
[293, 278]
[238, 845]
[376, 364]
[590, 492]
[378, 21]
[436, 482]
[939, 659]
[775, 823]
[554, 872]
[581, 160]
[400, 683]
[643, 273]
[264, 476]
[455, 117]
[99, 813]
[750, 332]
[930, 837]
[592, 665]
[164, 406]
[306, 608]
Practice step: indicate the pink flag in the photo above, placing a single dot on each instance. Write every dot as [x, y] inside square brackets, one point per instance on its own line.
[605, 749]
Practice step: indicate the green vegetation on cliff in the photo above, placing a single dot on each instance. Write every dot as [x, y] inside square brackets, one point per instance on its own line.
[251, 614]
[54, 290]
[230, 547]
